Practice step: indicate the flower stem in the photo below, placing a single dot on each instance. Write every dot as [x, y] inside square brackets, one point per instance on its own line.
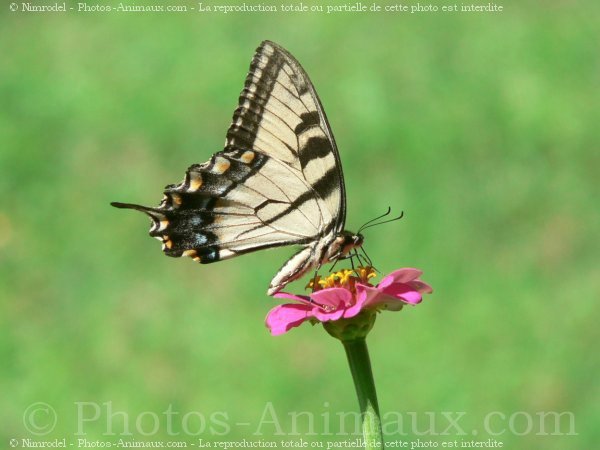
[360, 366]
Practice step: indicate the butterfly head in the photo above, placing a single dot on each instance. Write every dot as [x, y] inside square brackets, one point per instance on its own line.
[347, 241]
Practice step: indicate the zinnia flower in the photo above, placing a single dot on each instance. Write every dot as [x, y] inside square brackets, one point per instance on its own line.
[345, 294]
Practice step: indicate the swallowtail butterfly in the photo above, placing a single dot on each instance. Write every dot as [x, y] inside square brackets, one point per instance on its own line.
[278, 181]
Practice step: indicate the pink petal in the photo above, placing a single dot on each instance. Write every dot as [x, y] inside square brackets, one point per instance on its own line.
[391, 303]
[284, 317]
[373, 297]
[400, 276]
[333, 297]
[298, 298]
[420, 286]
[326, 316]
[367, 295]
[403, 292]
[355, 309]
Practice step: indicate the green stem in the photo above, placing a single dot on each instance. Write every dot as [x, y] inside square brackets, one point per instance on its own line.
[360, 366]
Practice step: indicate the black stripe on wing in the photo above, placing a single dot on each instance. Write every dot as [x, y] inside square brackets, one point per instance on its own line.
[325, 185]
[256, 94]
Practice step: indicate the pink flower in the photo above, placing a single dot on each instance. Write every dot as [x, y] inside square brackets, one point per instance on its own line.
[343, 295]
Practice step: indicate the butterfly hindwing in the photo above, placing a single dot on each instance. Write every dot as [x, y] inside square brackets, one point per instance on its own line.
[230, 206]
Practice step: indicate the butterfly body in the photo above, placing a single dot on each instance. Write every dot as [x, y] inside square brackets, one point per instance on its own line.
[277, 182]
[327, 249]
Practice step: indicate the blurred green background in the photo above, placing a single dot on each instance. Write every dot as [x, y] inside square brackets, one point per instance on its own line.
[483, 128]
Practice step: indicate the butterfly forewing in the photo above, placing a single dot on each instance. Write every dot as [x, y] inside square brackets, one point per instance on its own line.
[280, 114]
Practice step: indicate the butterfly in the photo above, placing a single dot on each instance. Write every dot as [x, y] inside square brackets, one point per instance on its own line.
[278, 181]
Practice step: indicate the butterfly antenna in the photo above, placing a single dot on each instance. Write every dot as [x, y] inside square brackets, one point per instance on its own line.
[385, 221]
[387, 213]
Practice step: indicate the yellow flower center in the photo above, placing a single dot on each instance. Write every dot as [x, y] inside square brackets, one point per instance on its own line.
[344, 278]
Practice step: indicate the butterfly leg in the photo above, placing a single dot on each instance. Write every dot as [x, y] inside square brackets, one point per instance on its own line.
[369, 260]
[338, 256]
[315, 279]
[355, 255]
[334, 264]
[298, 265]
[352, 263]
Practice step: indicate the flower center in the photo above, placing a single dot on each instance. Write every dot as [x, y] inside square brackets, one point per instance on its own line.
[344, 278]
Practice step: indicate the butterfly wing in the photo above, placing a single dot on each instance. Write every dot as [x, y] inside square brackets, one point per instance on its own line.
[277, 182]
[280, 115]
[233, 204]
